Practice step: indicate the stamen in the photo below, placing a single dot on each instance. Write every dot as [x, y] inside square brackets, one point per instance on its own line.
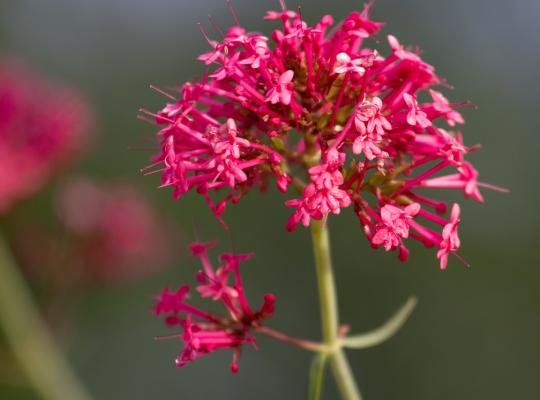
[144, 111]
[154, 172]
[201, 28]
[493, 187]
[164, 93]
[460, 258]
[145, 119]
[167, 337]
[233, 12]
[216, 26]
[151, 166]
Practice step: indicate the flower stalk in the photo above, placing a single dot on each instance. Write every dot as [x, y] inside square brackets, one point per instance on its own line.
[329, 313]
[27, 334]
[316, 376]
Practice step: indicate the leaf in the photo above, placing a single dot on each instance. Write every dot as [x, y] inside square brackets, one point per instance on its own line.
[384, 332]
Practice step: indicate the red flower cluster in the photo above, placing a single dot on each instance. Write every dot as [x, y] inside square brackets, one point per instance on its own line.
[352, 126]
[206, 332]
[41, 127]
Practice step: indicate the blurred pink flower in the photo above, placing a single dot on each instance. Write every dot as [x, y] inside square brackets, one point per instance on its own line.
[42, 126]
[116, 233]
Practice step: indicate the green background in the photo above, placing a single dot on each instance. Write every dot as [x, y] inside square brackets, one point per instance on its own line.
[475, 333]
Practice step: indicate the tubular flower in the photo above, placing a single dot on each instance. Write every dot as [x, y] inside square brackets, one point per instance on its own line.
[371, 126]
[312, 106]
[394, 225]
[450, 239]
[205, 332]
[345, 64]
[42, 126]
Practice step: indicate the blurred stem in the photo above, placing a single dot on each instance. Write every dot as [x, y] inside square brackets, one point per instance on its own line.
[10, 373]
[329, 314]
[29, 338]
[316, 376]
[302, 343]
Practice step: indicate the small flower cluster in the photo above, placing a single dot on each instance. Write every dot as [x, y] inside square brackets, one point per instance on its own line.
[41, 127]
[205, 332]
[319, 111]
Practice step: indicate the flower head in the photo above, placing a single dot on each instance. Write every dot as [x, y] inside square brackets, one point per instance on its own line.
[315, 109]
[205, 332]
[42, 126]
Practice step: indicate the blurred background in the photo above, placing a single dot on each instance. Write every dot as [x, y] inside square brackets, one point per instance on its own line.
[475, 332]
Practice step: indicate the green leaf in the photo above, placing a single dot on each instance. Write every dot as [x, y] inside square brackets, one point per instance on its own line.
[385, 331]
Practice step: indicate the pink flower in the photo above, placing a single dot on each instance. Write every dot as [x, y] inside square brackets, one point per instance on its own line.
[229, 68]
[394, 225]
[466, 179]
[345, 64]
[358, 23]
[400, 52]
[206, 332]
[218, 53]
[415, 116]
[227, 156]
[298, 30]
[260, 54]
[282, 91]
[323, 194]
[371, 126]
[441, 107]
[42, 128]
[288, 14]
[369, 117]
[450, 240]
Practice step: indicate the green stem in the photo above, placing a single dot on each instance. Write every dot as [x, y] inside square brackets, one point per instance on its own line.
[29, 337]
[329, 312]
[316, 376]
